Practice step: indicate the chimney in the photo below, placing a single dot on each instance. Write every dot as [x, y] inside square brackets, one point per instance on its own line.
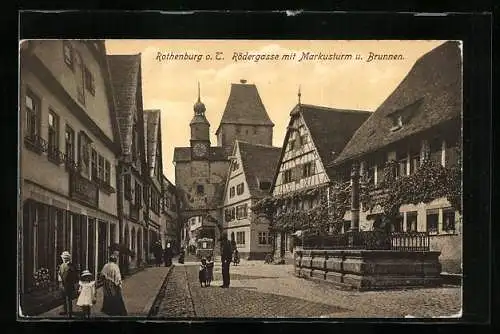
[243, 81]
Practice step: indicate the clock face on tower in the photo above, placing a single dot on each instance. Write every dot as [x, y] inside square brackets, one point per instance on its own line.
[200, 150]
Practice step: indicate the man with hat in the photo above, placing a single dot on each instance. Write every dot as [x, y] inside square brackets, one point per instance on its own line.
[226, 257]
[68, 278]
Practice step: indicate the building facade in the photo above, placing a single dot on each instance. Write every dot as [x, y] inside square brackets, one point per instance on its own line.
[170, 214]
[420, 120]
[201, 169]
[155, 223]
[249, 180]
[68, 157]
[315, 136]
[133, 171]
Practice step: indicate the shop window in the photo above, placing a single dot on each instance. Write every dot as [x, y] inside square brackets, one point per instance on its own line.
[449, 220]
[432, 220]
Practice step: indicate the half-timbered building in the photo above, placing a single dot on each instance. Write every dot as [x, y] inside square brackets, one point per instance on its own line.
[315, 136]
[132, 169]
[68, 156]
[249, 180]
[420, 120]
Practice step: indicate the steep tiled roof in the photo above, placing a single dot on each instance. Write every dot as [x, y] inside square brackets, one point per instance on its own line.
[259, 165]
[183, 154]
[244, 106]
[151, 127]
[168, 186]
[432, 88]
[330, 128]
[124, 72]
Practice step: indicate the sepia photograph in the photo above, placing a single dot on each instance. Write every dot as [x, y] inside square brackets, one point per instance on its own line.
[185, 179]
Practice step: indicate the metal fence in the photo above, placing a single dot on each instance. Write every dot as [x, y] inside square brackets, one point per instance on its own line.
[370, 240]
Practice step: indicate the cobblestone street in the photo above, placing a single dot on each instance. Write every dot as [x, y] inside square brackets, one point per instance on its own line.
[270, 291]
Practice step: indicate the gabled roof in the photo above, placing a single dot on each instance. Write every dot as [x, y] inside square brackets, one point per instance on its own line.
[330, 129]
[259, 164]
[151, 134]
[244, 106]
[433, 87]
[183, 154]
[124, 72]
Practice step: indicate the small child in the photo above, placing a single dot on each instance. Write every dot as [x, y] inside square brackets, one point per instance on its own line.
[88, 293]
[210, 270]
[203, 273]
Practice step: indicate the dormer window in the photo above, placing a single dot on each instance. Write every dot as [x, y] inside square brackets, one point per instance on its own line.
[397, 122]
[402, 116]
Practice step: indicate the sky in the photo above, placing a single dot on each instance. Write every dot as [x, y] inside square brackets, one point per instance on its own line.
[172, 85]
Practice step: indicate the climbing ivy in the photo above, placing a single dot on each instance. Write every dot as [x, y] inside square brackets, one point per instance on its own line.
[429, 182]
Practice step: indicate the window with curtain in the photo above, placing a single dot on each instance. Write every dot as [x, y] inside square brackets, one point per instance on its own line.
[33, 106]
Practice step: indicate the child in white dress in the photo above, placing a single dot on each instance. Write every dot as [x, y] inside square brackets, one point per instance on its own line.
[88, 293]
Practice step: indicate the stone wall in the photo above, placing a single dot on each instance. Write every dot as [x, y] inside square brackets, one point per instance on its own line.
[369, 269]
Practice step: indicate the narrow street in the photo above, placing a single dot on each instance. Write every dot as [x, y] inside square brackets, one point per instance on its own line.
[261, 290]
[271, 291]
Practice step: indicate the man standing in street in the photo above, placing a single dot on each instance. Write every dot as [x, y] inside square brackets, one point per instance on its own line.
[68, 277]
[226, 256]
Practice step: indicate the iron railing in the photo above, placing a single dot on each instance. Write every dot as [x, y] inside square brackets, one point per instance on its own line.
[369, 240]
[36, 143]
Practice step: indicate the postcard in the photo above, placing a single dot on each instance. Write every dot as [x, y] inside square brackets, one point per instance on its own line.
[262, 179]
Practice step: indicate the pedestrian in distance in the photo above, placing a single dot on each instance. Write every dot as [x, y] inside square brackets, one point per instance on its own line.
[202, 274]
[236, 258]
[112, 303]
[181, 256]
[210, 270]
[87, 293]
[226, 257]
[167, 255]
[68, 278]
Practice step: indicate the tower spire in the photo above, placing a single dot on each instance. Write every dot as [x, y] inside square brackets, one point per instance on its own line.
[299, 94]
[198, 91]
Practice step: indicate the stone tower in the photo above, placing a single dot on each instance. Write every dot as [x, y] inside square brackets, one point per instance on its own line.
[245, 118]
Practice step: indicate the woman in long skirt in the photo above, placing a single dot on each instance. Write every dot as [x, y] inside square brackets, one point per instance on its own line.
[112, 289]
